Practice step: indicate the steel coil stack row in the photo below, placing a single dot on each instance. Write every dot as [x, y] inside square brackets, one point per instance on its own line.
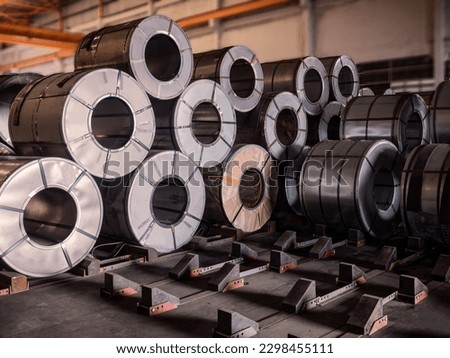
[145, 140]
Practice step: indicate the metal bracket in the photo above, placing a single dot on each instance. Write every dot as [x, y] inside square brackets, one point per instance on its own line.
[324, 248]
[286, 241]
[225, 231]
[238, 249]
[441, 270]
[184, 268]
[320, 230]
[411, 290]
[12, 282]
[281, 261]
[356, 238]
[200, 243]
[302, 295]
[131, 254]
[367, 317]
[189, 266]
[415, 244]
[117, 285]
[269, 227]
[349, 273]
[228, 273]
[386, 258]
[329, 297]
[156, 301]
[303, 291]
[230, 277]
[232, 324]
[240, 282]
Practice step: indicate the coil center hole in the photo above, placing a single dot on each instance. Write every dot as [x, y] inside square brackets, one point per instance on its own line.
[169, 201]
[112, 123]
[346, 81]
[206, 123]
[50, 216]
[413, 131]
[251, 188]
[313, 85]
[287, 126]
[333, 128]
[162, 57]
[242, 78]
[383, 189]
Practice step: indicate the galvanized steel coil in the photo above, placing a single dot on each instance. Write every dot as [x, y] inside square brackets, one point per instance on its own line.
[51, 214]
[365, 91]
[306, 77]
[440, 114]
[402, 119]
[154, 50]
[289, 176]
[243, 190]
[10, 86]
[281, 126]
[343, 78]
[330, 121]
[425, 188]
[353, 185]
[237, 70]
[102, 119]
[325, 125]
[201, 123]
[160, 205]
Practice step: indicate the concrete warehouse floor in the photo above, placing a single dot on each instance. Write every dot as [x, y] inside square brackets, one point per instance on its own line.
[71, 306]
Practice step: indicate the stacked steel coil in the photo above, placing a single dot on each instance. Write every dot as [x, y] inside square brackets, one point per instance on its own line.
[163, 139]
[401, 119]
[10, 85]
[353, 185]
[51, 214]
[425, 188]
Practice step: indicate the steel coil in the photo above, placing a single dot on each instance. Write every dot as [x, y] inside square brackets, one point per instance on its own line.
[343, 78]
[289, 176]
[330, 121]
[243, 191]
[51, 214]
[10, 86]
[353, 185]
[402, 119]
[102, 119]
[365, 91]
[201, 123]
[160, 205]
[280, 126]
[425, 190]
[325, 125]
[306, 77]
[237, 70]
[440, 114]
[154, 50]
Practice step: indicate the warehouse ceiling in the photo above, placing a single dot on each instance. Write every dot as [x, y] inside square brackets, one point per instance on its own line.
[20, 12]
[15, 17]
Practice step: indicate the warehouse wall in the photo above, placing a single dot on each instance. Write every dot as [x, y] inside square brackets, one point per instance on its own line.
[371, 30]
[367, 30]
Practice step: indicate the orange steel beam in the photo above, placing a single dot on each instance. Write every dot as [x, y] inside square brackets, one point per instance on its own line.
[230, 11]
[21, 40]
[74, 39]
[39, 33]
